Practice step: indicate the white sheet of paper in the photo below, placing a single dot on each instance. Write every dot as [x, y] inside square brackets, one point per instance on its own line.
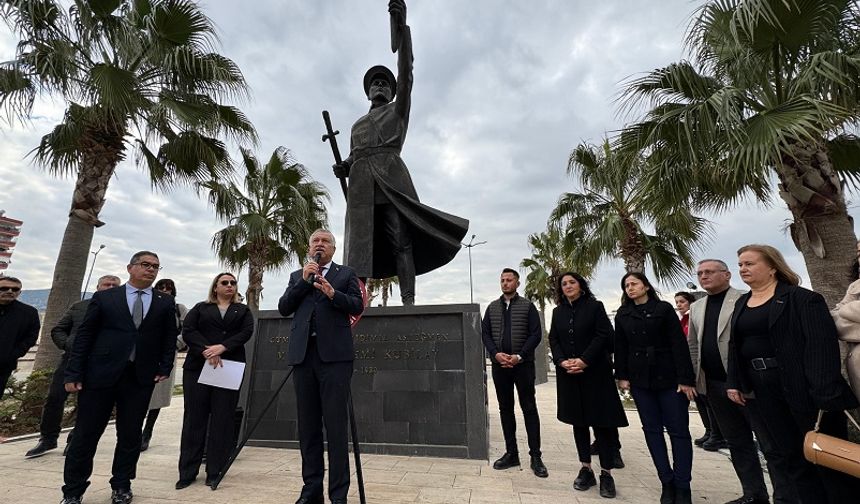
[229, 376]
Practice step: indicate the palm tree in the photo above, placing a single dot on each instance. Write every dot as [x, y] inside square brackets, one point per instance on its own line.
[385, 286]
[773, 88]
[549, 259]
[608, 218]
[269, 224]
[133, 74]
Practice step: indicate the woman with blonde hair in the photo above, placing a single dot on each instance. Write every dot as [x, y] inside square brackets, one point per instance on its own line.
[215, 329]
[784, 366]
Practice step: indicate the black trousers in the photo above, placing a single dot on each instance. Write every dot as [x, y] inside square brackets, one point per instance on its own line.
[607, 444]
[52, 412]
[131, 400]
[6, 370]
[322, 392]
[782, 429]
[737, 431]
[521, 376]
[205, 406]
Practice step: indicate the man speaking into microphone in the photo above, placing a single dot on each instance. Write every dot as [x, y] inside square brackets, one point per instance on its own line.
[321, 296]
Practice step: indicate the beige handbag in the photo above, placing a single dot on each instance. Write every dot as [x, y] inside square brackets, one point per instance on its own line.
[828, 451]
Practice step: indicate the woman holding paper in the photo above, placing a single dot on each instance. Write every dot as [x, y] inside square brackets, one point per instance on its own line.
[215, 331]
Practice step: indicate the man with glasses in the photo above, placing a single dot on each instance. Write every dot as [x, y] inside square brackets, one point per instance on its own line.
[709, 335]
[124, 346]
[19, 328]
[63, 335]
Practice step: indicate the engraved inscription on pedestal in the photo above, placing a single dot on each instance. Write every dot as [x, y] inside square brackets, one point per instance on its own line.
[419, 386]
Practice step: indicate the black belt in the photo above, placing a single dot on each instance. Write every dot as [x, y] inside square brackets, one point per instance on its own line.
[764, 363]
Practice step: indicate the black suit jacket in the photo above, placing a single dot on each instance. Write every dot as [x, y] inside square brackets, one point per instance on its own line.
[104, 341]
[331, 316]
[203, 325]
[804, 337]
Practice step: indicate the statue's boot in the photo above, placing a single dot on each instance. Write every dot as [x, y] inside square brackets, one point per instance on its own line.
[406, 276]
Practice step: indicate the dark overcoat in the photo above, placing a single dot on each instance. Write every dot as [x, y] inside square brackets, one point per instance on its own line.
[582, 330]
[804, 337]
[651, 350]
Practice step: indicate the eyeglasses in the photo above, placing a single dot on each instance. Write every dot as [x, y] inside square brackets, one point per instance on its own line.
[225, 283]
[149, 266]
[709, 272]
[7, 289]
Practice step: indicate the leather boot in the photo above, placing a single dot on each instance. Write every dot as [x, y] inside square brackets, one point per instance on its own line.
[668, 494]
[683, 496]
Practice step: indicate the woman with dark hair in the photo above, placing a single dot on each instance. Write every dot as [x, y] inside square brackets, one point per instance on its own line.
[163, 391]
[683, 300]
[581, 339]
[784, 366]
[215, 329]
[652, 360]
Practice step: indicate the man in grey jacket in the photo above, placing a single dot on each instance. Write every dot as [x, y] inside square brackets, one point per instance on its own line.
[63, 335]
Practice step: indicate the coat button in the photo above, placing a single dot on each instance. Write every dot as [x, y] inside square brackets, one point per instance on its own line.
[570, 331]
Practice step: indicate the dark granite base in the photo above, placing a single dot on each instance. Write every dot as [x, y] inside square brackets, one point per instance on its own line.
[419, 386]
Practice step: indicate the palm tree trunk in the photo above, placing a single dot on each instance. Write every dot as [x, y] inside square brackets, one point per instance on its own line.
[822, 229]
[102, 152]
[256, 263]
[385, 291]
[632, 248]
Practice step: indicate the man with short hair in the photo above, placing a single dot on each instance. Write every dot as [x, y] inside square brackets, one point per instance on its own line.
[19, 328]
[124, 346]
[511, 331]
[709, 335]
[321, 297]
[63, 335]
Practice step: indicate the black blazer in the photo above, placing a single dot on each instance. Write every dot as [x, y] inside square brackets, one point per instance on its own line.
[804, 338]
[581, 330]
[104, 341]
[334, 335]
[651, 351]
[204, 326]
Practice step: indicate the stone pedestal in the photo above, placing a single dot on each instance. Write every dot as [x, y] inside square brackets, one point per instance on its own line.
[419, 386]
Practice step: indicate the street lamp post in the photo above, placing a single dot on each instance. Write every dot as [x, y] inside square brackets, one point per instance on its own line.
[95, 254]
[472, 243]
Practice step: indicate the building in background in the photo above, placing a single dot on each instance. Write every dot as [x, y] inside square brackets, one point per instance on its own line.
[9, 230]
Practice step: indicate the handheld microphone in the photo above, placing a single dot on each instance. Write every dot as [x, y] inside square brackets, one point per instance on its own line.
[317, 258]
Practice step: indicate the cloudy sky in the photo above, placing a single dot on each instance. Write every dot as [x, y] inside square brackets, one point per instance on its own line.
[503, 91]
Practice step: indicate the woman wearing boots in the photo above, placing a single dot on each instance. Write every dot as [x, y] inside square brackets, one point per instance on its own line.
[581, 339]
[652, 360]
[163, 391]
[215, 329]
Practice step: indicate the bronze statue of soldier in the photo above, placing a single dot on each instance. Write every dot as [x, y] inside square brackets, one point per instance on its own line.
[388, 230]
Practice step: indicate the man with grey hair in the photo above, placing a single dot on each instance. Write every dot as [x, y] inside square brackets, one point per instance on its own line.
[321, 297]
[709, 335]
[63, 335]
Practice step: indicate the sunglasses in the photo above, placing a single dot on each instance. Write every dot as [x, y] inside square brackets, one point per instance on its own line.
[225, 283]
[7, 289]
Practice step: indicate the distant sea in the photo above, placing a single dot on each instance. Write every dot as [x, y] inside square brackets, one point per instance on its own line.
[37, 298]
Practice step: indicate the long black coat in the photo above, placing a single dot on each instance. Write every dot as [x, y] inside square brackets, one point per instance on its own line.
[804, 337]
[651, 350]
[582, 330]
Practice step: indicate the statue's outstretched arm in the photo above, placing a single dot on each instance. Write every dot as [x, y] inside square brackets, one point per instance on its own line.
[401, 41]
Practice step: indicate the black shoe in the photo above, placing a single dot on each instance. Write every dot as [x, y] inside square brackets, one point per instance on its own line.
[668, 494]
[41, 448]
[71, 500]
[210, 481]
[715, 444]
[144, 440]
[749, 500]
[311, 500]
[507, 461]
[584, 480]
[341, 501]
[702, 440]
[617, 461]
[184, 483]
[538, 468]
[607, 485]
[121, 496]
[683, 496]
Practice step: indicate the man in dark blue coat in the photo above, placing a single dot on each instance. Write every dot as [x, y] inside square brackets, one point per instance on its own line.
[124, 346]
[321, 297]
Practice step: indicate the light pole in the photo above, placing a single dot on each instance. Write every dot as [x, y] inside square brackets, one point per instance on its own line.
[472, 243]
[95, 254]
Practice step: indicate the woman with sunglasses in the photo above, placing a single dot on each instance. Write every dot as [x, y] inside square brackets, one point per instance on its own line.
[214, 330]
[163, 391]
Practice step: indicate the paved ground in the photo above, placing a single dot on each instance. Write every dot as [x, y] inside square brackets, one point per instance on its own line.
[265, 475]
